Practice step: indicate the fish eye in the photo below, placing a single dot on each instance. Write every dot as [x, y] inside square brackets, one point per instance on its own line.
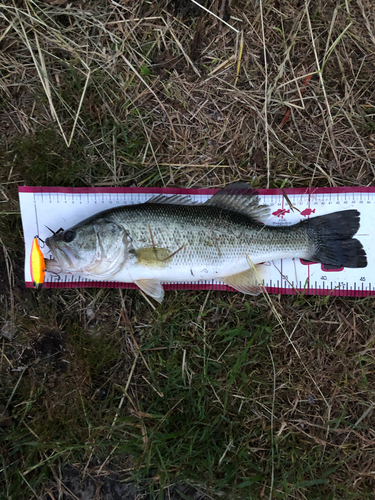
[69, 236]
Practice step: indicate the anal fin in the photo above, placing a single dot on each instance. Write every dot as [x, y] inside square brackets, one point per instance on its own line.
[245, 282]
[153, 288]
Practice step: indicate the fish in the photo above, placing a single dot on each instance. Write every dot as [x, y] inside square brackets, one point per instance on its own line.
[37, 264]
[281, 212]
[172, 239]
[307, 212]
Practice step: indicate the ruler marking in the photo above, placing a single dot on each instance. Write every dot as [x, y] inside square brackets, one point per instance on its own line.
[349, 283]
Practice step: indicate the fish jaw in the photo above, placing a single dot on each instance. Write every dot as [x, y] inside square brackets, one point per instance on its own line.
[53, 266]
[64, 260]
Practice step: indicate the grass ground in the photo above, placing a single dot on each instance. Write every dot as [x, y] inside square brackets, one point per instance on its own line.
[235, 397]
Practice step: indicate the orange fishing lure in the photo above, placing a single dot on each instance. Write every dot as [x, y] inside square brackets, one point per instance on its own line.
[37, 265]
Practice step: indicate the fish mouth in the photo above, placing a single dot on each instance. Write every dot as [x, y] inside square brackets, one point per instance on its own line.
[52, 266]
[62, 259]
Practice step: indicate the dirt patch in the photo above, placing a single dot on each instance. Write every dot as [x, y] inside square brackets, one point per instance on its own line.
[48, 349]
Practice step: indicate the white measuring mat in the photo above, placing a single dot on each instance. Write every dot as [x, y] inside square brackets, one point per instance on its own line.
[56, 208]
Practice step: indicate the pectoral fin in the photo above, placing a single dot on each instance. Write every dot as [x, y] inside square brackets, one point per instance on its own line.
[245, 282]
[153, 256]
[153, 288]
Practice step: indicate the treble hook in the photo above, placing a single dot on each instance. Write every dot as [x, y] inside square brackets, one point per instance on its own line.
[53, 232]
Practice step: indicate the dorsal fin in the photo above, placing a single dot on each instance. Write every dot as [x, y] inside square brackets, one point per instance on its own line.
[176, 199]
[241, 198]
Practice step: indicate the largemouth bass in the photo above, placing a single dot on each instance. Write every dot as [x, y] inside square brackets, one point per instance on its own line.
[170, 239]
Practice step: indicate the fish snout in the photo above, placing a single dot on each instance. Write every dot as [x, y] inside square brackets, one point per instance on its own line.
[52, 266]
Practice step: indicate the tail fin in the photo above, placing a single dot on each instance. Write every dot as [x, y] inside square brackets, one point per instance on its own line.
[333, 239]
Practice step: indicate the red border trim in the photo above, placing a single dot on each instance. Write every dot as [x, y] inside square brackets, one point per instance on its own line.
[85, 190]
[200, 286]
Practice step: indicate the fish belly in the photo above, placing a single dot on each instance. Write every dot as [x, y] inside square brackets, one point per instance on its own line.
[181, 273]
[200, 271]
